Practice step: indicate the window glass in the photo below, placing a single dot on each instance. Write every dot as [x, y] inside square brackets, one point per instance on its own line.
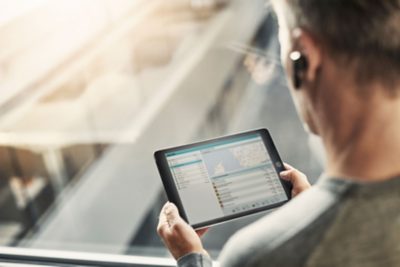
[90, 89]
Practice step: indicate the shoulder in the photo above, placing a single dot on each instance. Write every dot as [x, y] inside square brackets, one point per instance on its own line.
[263, 237]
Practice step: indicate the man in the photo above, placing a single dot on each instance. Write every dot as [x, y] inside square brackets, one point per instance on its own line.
[343, 59]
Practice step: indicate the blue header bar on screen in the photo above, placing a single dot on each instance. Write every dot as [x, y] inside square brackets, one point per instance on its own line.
[213, 144]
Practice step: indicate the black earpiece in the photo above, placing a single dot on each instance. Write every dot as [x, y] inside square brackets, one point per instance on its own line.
[300, 65]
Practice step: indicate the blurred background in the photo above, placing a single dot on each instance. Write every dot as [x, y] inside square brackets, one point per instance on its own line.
[90, 89]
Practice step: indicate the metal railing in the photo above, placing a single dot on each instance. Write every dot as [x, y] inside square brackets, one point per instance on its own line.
[35, 257]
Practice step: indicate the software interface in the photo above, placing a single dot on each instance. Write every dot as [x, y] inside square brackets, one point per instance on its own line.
[225, 177]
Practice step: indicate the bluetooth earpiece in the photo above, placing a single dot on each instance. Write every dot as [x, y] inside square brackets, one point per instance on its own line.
[300, 65]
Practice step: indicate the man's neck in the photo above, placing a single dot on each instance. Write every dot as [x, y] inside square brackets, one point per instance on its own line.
[366, 145]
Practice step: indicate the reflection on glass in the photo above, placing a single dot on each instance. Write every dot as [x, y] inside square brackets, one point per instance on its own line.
[89, 90]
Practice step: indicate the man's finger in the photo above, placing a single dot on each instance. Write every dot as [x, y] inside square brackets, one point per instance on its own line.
[288, 166]
[172, 217]
[287, 175]
[163, 223]
[176, 224]
[171, 212]
[202, 231]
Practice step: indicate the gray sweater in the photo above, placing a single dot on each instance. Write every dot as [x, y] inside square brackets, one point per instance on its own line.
[335, 223]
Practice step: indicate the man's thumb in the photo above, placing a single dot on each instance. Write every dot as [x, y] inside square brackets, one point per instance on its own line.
[172, 213]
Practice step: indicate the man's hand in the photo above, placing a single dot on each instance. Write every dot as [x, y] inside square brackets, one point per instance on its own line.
[298, 179]
[179, 237]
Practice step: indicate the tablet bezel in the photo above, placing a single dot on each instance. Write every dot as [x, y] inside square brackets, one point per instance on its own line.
[172, 192]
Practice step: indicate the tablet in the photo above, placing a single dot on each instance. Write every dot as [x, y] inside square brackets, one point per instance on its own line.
[218, 180]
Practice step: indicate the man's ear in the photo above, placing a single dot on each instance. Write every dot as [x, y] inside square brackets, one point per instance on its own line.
[308, 47]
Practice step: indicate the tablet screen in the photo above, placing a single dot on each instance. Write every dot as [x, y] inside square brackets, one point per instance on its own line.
[225, 177]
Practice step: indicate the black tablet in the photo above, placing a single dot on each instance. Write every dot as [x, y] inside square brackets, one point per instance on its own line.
[225, 178]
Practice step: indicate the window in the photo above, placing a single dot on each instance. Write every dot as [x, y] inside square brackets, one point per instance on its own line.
[90, 89]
